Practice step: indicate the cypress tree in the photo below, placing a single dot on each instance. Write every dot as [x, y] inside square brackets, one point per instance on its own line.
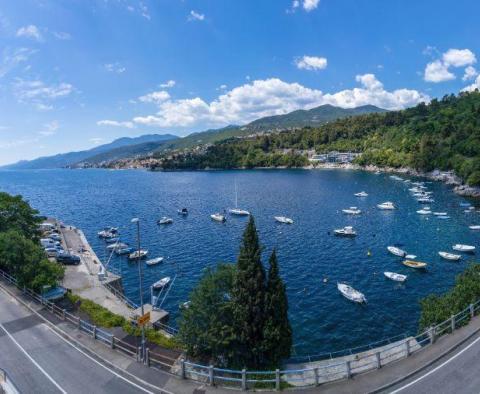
[248, 297]
[277, 333]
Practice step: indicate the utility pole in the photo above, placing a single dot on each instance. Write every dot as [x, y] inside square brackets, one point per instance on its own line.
[140, 277]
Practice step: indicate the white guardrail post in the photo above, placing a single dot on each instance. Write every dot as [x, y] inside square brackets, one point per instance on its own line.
[348, 369]
[407, 347]
[277, 379]
[472, 310]
[210, 375]
[244, 379]
[378, 359]
[317, 376]
[431, 334]
[452, 320]
[182, 369]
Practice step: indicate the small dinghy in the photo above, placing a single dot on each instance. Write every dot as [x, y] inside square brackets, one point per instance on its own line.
[425, 200]
[118, 245]
[424, 211]
[361, 194]
[165, 220]
[347, 231]
[350, 293]
[239, 212]
[161, 283]
[450, 256]
[218, 217]
[396, 251]
[464, 248]
[474, 227]
[410, 257]
[415, 264]
[283, 219]
[352, 211]
[183, 211]
[387, 205]
[443, 217]
[142, 253]
[154, 261]
[396, 277]
[440, 213]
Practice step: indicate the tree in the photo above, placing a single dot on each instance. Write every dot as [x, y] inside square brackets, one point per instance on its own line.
[248, 297]
[277, 332]
[16, 213]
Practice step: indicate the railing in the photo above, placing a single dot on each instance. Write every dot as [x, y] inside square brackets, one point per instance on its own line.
[312, 374]
[6, 385]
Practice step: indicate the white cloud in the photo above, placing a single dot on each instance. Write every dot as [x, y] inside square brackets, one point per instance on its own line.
[439, 70]
[155, 97]
[18, 142]
[11, 58]
[49, 128]
[274, 97]
[470, 73]
[144, 11]
[195, 16]
[310, 5]
[169, 84]
[473, 86]
[459, 57]
[30, 31]
[40, 94]
[61, 35]
[311, 63]
[96, 140]
[114, 68]
[115, 123]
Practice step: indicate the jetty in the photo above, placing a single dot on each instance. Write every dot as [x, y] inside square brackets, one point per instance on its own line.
[90, 279]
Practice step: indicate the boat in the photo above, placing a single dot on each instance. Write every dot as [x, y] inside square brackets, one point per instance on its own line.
[465, 204]
[183, 211]
[218, 217]
[415, 264]
[424, 211]
[161, 283]
[361, 194]
[185, 305]
[350, 293]
[387, 205]
[396, 251]
[237, 211]
[283, 219]
[347, 231]
[443, 217]
[108, 232]
[396, 277]
[138, 254]
[425, 200]
[474, 227]
[118, 245]
[154, 261]
[165, 220]
[123, 251]
[352, 211]
[440, 213]
[112, 240]
[410, 257]
[396, 178]
[450, 256]
[463, 248]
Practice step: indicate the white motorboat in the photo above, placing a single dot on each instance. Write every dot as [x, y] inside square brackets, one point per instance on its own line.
[118, 245]
[425, 200]
[387, 205]
[410, 257]
[361, 194]
[443, 217]
[450, 256]
[396, 277]
[154, 261]
[165, 220]
[474, 227]
[283, 219]
[440, 213]
[218, 217]
[396, 178]
[352, 211]
[463, 248]
[237, 211]
[142, 253]
[424, 211]
[396, 251]
[108, 232]
[347, 231]
[350, 293]
[183, 211]
[161, 283]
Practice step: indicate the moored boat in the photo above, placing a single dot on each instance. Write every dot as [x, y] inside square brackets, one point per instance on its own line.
[474, 227]
[347, 231]
[415, 264]
[183, 211]
[396, 251]
[161, 283]
[283, 219]
[361, 194]
[450, 256]
[154, 261]
[440, 213]
[396, 277]
[165, 220]
[424, 211]
[239, 212]
[142, 253]
[118, 245]
[123, 251]
[387, 205]
[463, 248]
[352, 211]
[218, 217]
[350, 293]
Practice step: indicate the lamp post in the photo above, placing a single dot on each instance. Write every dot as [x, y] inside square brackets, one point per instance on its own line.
[140, 276]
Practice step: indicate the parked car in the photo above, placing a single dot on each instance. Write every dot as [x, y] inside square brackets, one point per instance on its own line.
[51, 252]
[68, 259]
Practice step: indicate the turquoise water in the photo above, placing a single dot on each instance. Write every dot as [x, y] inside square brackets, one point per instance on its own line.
[322, 319]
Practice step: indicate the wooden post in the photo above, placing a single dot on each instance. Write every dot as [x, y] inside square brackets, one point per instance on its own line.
[277, 380]
[244, 379]
[472, 311]
[407, 347]
[210, 375]
[317, 377]
[379, 361]
[452, 320]
[182, 368]
[348, 369]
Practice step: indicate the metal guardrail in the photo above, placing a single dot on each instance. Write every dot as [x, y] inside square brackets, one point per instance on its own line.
[322, 372]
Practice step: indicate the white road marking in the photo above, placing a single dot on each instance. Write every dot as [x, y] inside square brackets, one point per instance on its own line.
[32, 360]
[437, 368]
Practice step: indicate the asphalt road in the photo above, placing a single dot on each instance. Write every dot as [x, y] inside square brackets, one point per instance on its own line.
[40, 361]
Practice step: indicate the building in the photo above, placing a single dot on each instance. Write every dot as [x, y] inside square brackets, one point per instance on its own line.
[334, 157]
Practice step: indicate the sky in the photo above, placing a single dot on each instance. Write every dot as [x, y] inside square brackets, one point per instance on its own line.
[78, 73]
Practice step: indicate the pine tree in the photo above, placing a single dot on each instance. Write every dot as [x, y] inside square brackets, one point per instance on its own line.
[277, 332]
[248, 297]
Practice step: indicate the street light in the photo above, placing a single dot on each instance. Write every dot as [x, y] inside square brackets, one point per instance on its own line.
[140, 276]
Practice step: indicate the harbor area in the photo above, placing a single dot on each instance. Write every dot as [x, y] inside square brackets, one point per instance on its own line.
[90, 280]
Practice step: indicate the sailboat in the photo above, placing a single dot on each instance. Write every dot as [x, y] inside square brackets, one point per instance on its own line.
[237, 211]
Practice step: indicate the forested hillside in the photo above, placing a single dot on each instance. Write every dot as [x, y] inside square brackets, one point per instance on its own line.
[444, 134]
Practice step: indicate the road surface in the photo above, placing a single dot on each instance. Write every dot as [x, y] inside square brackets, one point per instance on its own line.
[38, 360]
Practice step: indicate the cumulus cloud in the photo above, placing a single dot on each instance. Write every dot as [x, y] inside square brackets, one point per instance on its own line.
[439, 70]
[310, 5]
[195, 16]
[30, 31]
[470, 73]
[114, 68]
[311, 63]
[273, 97]
[40, 94]
[473, 86]
[115, 123]
[169, 84]
[155, 97]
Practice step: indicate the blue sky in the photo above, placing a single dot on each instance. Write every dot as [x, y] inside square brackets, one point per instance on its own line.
[76, 73]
